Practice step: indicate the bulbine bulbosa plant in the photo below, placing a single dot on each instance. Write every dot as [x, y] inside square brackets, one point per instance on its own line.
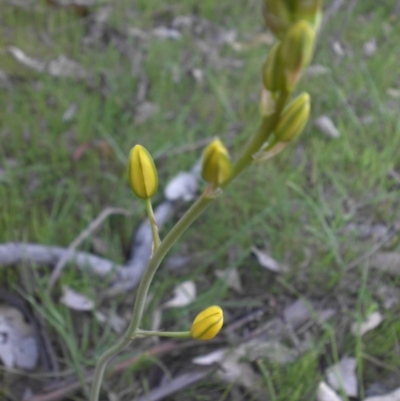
[295, 24]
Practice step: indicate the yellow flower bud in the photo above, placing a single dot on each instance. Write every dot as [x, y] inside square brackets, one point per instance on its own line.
[297, 50]
[142, 173]
[293, 118]
[207, 323]
[277, 17]
[273, 76]
[216, 165]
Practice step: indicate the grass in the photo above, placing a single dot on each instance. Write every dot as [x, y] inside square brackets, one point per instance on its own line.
[298, 204]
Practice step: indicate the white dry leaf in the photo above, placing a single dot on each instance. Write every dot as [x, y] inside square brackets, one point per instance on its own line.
[267, 261]
[393, 396]
[184, 294]
[144, 112]
[75, 300]
[211, 358]
[250, 351]
[231, 278]
[370, 47]
[177, 262]
[241, 373]
[64, 67]
[116, 322]
[198, 75]
[342, 376]
[325, 125]
[70, 112]
[388, 262]
[316, 70]
[325, 393]
[18, 345]
[372, 321]
[393, 93]
[182, 187]
[338, 49]
[163, 32]
[27, 61]
[273, 351]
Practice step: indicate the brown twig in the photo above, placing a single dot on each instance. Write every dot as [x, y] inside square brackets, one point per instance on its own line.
[176, 384]
[373, 250]
[88, 231]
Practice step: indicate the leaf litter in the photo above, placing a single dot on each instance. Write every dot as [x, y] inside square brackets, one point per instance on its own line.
[18, 343]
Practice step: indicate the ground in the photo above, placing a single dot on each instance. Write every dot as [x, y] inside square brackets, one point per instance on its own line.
[171, 75]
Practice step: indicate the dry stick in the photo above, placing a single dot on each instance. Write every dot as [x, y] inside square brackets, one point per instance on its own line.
[176, 384]
[88, 231]
[14, 253]
[373, 250]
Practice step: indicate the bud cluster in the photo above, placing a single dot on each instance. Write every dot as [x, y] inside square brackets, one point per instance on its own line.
[295, 24]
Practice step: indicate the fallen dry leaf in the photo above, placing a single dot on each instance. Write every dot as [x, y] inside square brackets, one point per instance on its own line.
[116, 322]
[316, 70]
[372, 321]
[64, 67]
[145, 111]
[75, 300]
[184, 294]
[27, 61]
[239, 373]
[393, 93]
[370, 47]
[325, 393]
[231, 278]
[70, 113]
[182, 187]
[342, 376]
[338, 49]
[18, 346]
[211, 358]
[388, 262]
[325, 125]
[267, 262]
[393, 396]
[163, 32]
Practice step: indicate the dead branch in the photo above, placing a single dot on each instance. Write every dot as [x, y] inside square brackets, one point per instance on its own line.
[88, 231]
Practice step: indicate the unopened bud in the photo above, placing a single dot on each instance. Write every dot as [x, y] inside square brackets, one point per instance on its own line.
[277, 17]
[142, 173]
[309, 10]
[216, 164]
[297, 50]
[273, 75]
[207, 323]
[293, 118]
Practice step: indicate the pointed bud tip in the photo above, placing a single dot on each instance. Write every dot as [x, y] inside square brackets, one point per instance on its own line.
[216, 164]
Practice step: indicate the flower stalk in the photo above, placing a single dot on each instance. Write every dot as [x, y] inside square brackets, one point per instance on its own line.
[295, 23]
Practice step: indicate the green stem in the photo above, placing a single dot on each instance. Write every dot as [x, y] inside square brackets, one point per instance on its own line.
[268, 125]
[188, 218]
[153, 225]
[173, 334]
